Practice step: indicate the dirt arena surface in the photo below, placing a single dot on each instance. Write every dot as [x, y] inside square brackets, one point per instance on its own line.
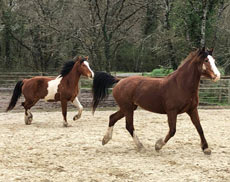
[47, 152]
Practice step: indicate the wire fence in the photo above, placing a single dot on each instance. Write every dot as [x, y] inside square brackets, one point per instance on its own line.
[215, 93]
[210, 93]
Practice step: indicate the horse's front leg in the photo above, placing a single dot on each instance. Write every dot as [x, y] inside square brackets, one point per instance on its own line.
[196, 121]
[172, 118]
[79, 107]
[64, 112]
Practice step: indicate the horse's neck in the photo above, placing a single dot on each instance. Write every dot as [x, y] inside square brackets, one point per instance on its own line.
[74, 76]
[188, 77]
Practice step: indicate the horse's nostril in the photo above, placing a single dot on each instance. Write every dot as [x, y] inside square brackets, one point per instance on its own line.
[90, 76]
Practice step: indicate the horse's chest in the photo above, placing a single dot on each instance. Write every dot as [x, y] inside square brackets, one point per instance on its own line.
[52, 88]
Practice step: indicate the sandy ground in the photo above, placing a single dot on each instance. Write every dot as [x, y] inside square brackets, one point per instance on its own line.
[45, 151]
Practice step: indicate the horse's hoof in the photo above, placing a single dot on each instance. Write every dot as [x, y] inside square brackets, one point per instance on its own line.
[76, 117]
[159, 144]
[28, 122]
[207, 151]
[141, 149]
[28, 119]
[65, 124]
[105, 140]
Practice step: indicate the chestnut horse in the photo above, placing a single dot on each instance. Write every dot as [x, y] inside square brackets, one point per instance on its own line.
[63, 88]
[172, 95]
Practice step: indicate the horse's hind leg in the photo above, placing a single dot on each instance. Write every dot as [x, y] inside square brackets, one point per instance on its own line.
[172, 117]
[196, 121]
[28, 115]
[131, 130]
[79, 107]
[112, 120]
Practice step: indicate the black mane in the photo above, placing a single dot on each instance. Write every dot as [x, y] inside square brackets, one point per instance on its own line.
[67, 68]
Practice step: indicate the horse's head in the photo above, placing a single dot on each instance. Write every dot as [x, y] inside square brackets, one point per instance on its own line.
[208, 66]
[84, 68]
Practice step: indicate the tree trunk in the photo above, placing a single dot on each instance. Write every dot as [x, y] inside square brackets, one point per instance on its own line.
[220, 11]
[7, 46]
[172, 57]
[203, 23]
[107, 57]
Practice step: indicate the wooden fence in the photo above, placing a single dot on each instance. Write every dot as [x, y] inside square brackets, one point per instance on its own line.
[210, 93]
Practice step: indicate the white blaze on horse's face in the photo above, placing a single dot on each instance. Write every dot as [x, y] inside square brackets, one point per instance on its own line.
[214, 68]
[204, 67]
[87, 65]
[52, 88]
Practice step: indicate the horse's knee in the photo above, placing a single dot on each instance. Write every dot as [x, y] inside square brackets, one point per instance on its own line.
[111, 117]
[172, 132]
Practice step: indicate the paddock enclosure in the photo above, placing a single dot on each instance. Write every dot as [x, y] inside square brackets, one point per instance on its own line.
[210, 93]
[46, 152]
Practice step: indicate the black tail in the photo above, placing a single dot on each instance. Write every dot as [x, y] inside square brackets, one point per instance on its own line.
[101, 82]
[16, 94]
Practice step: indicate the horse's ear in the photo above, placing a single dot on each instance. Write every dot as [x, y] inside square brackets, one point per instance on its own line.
[202, 52]
[87, 57]
[76, 58]
[194, 49]
[210, 51]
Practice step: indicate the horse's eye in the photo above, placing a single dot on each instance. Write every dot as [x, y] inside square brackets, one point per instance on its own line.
[206, 60]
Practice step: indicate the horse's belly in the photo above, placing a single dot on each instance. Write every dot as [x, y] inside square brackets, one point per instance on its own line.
[155, 109]
[151, 104]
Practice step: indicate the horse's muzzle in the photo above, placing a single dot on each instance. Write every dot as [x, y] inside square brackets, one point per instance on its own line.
[90, 76]
[216, 78]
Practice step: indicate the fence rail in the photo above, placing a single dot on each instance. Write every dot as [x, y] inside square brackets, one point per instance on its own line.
[210, 93]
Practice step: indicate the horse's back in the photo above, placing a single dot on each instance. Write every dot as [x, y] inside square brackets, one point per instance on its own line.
[37, 81]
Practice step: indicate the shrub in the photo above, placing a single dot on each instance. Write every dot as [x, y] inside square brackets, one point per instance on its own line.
[160, 72]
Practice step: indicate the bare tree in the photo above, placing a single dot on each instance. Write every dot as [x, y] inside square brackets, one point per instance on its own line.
[109, 24]
[36, 20]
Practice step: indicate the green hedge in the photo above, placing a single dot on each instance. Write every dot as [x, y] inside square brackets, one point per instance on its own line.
[159, 72]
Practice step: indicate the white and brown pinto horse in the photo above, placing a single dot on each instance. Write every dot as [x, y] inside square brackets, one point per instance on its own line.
[175, 94]
[63, 88]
